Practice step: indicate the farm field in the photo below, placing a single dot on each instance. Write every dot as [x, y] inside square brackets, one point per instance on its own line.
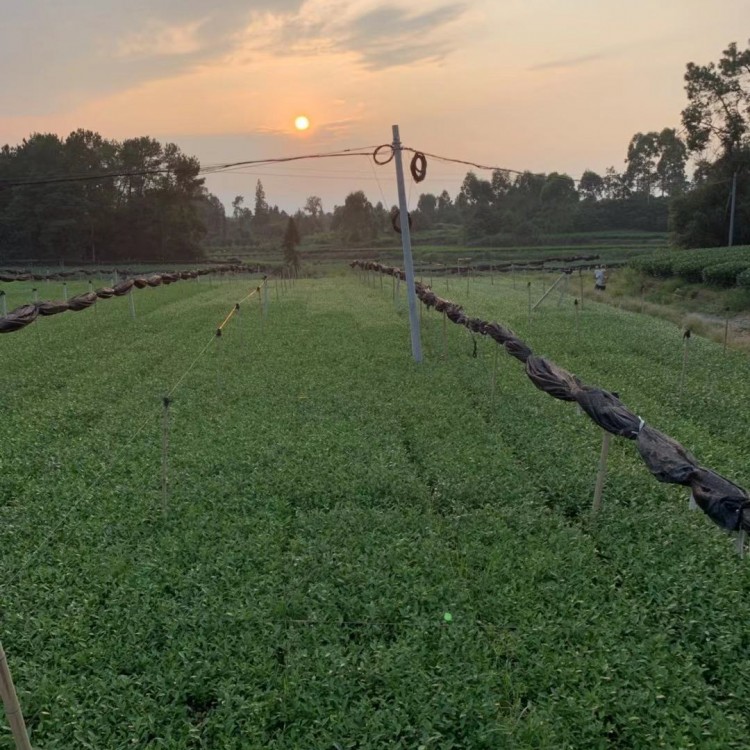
[359, 552]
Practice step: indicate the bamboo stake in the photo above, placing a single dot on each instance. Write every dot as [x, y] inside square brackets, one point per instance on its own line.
[260, 308]
[602, 473]
[580, 283]
[513, 274]
[165, 455]
[544, 296]
[65, 291]
[494, 375]
[575, 303]
[132, 304]
[741, 537]
[528, 286]
[445, 335]
[4, 301]
[686, 339]
[12, 706]
[36, 294]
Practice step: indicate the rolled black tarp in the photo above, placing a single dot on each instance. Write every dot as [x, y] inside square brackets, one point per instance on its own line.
[52, 308]
[550, 378]
[105, 292]
[82, 301]
[726, 504]
[608, 412]
[518, 349]
[18, 318]
[123, 287]
[665, 458]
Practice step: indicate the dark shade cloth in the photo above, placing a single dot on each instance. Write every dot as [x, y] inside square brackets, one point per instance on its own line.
[608, 412]
[550, 378]
[52, 308]
[18, 318]
[518, 349]
[123, 287]
[726, 504]
[501, 334]
[665, 458]
[82, 301]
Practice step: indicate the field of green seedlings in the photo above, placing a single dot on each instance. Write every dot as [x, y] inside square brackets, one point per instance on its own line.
[359, 552]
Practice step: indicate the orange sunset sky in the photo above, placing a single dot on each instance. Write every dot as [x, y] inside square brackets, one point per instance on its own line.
[527, 84]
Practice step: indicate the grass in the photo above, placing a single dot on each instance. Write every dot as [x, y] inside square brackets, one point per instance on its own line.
[331, 501]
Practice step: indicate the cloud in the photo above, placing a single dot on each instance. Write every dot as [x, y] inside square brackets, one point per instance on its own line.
[84, 48]
[160, 39]
[570, 62]
[381, 37]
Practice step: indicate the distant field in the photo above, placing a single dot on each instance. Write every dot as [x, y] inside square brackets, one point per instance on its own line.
[360, 552]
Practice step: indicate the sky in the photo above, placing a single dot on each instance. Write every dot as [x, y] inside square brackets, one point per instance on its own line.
[543, 85]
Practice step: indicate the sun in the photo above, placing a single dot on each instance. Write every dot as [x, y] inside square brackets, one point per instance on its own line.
[302, 123]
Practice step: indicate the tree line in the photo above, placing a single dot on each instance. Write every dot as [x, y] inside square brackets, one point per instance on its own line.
[159, 209]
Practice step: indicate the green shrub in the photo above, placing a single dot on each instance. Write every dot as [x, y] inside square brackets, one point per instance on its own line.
[725, 274]
[743, 278]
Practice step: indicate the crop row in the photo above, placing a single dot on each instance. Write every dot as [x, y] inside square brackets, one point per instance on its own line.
[717, 266]
[727, 504]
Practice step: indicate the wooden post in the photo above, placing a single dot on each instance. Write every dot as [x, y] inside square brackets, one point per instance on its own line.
[686, 340]
[602, 473]
[741, 538]
[165, 454]
[494, 373]
[12, 706]
[528, 286]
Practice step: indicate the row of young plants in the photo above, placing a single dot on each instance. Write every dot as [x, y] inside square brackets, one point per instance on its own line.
[359, 552]
[724, 267]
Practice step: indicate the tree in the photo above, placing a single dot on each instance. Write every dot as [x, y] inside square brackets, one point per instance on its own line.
[289, 243]
[640, 175]
[314, 206]
[355, 220]
[670, 168]
[718, 102]
[591, 186]
[262, 211]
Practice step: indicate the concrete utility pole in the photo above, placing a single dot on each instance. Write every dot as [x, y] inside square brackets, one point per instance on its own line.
[416, 344]
[731, 209]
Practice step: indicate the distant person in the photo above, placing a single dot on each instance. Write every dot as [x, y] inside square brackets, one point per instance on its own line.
[600, 279]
